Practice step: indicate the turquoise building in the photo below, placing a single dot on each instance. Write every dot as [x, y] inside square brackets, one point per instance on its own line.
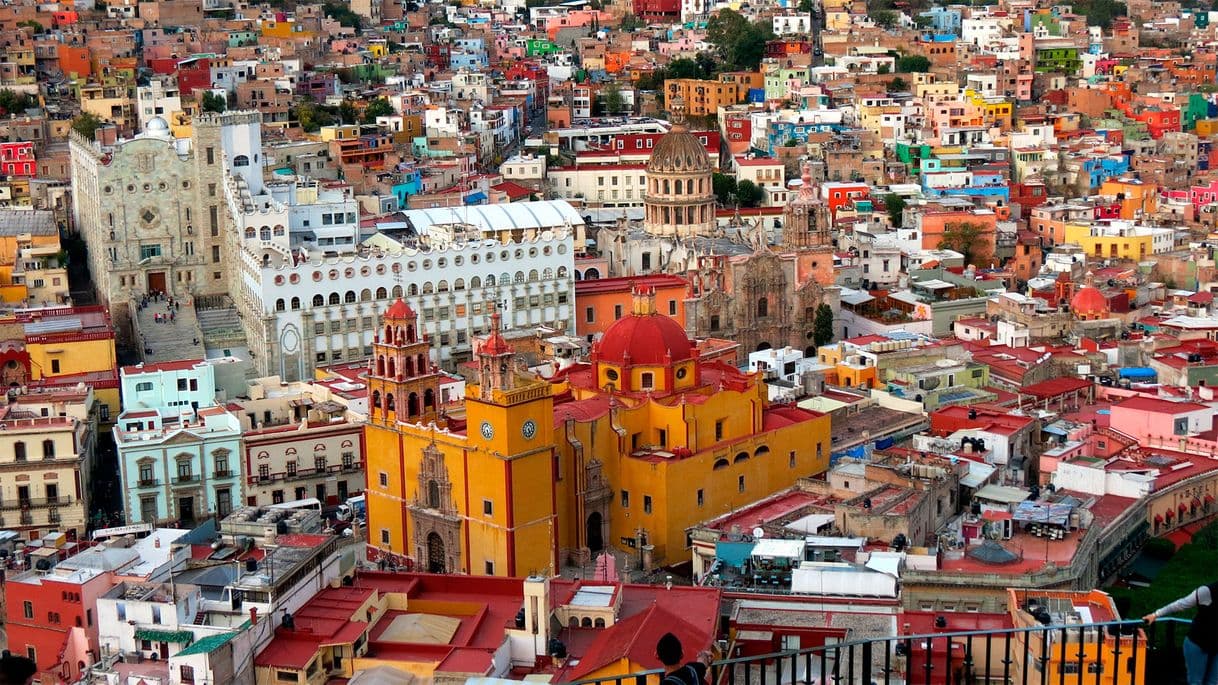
[179, 450]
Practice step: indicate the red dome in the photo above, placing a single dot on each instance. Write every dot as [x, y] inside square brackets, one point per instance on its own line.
[399, 310]
[646, 339]
[1088, 300]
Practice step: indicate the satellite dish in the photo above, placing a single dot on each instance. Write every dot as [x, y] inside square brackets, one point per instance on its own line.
[758, 533]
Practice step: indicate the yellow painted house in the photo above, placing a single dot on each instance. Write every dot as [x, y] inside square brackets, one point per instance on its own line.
[1112, 240]
[61, 348]
[627, 451]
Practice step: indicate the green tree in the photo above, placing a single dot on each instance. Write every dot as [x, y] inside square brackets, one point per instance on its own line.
[724, 187]
[885, 19]
[38, 28]
[347, 114]
[884, 68]
[684, 67]
[379, 107]
[806, 6]
[913, 64]
[344, 15]
[822, 325]
[11, 101]
[748, 194]
[615, 102]
[86, 124]
[962, 237]
[895, 204]
[1100, 12]
[213, 102]
[631, 23]
[739, 43]
[312, 116]
[898, 85]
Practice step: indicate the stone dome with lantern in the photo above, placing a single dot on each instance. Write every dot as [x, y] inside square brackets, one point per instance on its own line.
[679, 198]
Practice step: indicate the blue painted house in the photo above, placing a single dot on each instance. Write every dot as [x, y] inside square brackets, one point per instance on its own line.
[179, 450]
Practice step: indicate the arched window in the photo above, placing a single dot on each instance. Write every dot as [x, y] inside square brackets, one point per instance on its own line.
[264, 233]
[397, 291]
[389, 404]
[442, 287]
[586, 622]
[412, 404]
[413, 289]
[519, 277]
[459, 284]
[427, 288]
[475, 283]
[19, 451]
[598, 623]
[392, 367]
[48, 449]
[349, 297]
[666, 186]
[532, 275]
[334, 298]
[547, 274]
[761, 450]
[376, 399]
[365, 295]
[381, 293]
[433, 494]
[250, 232]
[763, 307]
[490, 281]
[241, 160]
[562, 273]
[410, 334]
[279, 305]
[318, 301]
[720, 464]
[429, 399]
[295, 303]
[740, 456]
[380, 365]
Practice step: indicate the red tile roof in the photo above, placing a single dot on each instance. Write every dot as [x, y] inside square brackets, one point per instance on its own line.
[1152, 404]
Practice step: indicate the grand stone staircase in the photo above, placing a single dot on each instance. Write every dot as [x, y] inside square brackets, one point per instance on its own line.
[162, 342]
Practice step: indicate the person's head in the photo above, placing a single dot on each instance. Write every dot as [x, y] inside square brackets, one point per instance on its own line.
[668, 649]
[16, 670]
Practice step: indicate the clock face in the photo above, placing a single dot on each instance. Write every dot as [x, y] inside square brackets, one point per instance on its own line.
[488, 431]
[529, 429]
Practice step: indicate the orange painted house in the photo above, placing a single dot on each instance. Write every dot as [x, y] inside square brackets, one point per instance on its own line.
[935, 222]
[75, 60]
[600, 302]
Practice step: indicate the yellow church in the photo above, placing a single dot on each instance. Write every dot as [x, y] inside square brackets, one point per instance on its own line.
[626, 451]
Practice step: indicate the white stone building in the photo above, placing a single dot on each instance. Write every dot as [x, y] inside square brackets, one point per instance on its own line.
[309, 284]
[160, 98]
[150, 210]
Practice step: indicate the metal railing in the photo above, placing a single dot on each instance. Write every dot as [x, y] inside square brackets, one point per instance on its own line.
[1108, 653]
[35, 502]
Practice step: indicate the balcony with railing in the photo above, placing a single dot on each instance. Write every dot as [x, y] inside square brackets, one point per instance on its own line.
[35, 502]
[1109, 653]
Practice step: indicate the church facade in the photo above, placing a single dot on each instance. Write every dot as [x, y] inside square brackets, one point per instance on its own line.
[625, 452]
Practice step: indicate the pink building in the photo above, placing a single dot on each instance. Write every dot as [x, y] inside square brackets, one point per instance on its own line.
[1203, 195]
[1154, 421]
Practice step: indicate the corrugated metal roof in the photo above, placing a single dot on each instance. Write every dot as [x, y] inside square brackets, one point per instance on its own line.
[33, 221]
[524, 215]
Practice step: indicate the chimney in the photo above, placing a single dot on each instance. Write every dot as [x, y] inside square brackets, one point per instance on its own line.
[537, 612]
